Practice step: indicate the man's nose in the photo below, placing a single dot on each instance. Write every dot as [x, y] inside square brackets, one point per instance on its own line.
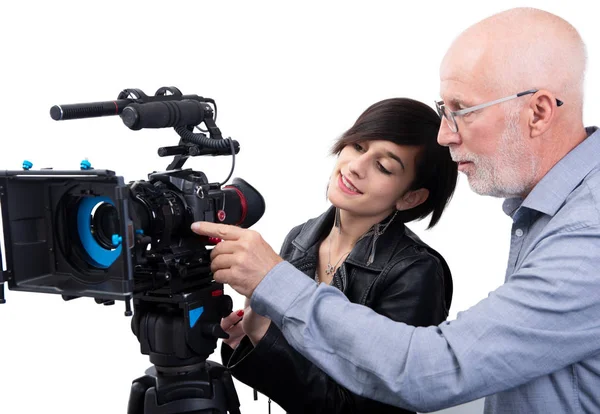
[446, 137]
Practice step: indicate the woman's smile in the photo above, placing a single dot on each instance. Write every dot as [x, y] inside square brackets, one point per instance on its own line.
[346, 186]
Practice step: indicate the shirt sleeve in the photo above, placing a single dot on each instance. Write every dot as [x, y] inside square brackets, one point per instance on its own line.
[545, 317]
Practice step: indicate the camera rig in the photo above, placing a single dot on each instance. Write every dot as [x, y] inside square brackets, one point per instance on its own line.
[85, 233]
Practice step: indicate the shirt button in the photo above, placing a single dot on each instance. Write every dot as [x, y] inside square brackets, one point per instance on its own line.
[518, 232]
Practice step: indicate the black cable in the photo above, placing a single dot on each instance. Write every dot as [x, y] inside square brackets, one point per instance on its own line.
[201, 139]
[232, 162]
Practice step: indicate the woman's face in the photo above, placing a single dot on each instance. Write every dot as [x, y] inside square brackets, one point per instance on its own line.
[371, 178]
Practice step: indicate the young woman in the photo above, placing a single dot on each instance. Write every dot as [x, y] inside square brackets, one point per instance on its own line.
[390, 170]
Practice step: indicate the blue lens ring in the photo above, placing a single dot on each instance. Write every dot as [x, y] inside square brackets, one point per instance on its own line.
[98, 256]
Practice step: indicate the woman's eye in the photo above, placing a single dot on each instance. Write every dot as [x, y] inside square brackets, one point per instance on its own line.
[383, 169]
[358, 147]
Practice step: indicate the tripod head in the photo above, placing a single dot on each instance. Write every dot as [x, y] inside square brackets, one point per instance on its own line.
[179, 334]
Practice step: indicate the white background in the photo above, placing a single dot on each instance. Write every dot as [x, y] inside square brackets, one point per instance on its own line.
[288, 80]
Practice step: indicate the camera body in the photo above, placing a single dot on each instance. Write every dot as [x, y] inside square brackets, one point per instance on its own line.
[87, 233]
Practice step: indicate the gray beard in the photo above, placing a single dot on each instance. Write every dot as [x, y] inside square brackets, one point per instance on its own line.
[512, 172]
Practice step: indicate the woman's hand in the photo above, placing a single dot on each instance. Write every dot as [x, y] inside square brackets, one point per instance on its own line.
[255, 325]
[244, 322]
[230, 324]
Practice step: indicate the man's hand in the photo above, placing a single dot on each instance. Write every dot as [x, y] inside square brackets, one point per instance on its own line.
[242, 259]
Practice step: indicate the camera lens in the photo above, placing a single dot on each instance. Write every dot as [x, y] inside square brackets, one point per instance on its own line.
[105, 223]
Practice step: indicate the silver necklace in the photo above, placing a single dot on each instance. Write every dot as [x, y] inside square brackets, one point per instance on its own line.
[331, 269]
[375, 230]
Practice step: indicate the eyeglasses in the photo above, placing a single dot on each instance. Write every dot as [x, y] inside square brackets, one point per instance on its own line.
[450, 116]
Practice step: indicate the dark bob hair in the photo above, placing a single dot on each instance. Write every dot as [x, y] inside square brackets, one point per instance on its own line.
[407, 122]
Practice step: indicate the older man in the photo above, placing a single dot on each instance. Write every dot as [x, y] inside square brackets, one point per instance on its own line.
[512, 96]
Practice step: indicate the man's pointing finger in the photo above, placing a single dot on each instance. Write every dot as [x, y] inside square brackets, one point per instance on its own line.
[221, 231]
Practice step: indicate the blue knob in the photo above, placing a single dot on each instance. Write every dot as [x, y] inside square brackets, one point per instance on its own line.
[27, 165]
[139, 231]
[85, 165]
[116, 239]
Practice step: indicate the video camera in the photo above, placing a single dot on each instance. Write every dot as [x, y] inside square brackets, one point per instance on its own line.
[85, 233]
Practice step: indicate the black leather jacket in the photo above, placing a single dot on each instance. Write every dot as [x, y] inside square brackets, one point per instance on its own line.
[407, 281]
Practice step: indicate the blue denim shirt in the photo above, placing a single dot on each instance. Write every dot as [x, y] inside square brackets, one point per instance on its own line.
[532, 346]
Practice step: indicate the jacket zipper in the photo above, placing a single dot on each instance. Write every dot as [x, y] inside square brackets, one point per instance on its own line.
[375, 237]
[378, 231]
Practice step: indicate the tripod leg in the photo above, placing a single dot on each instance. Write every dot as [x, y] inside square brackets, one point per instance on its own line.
[221, 373]
[232, 397]
[138, 393]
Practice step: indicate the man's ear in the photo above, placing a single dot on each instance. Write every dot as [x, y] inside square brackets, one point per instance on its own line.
[542, 110]
[412, 199]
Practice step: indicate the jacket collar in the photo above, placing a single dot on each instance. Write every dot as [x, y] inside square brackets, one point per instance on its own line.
[316, 229]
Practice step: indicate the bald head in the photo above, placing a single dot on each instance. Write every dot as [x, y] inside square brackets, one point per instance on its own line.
[511, 52]
[520, 49]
